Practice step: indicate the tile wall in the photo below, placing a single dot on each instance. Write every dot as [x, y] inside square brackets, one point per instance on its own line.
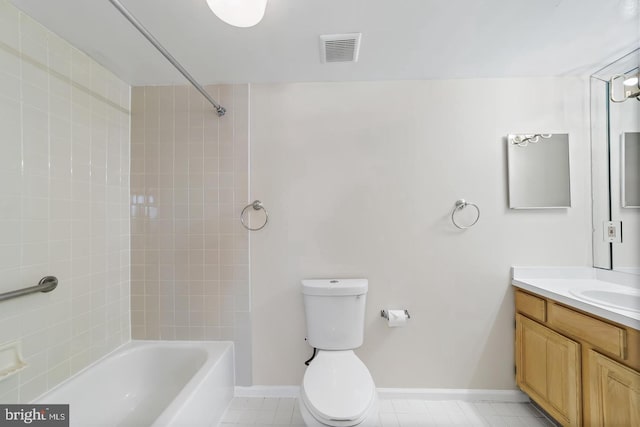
[64, 200]
[189, 182]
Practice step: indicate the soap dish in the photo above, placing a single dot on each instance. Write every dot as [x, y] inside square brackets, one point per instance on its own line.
[11, 361]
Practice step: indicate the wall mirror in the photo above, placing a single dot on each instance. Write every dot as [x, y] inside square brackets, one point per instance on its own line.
[615, 161]
[539, 175]
[630, 173]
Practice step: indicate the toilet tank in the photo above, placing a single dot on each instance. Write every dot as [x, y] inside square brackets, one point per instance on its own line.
[334, 309]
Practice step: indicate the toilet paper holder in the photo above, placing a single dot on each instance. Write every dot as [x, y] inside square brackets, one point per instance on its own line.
[383, 313]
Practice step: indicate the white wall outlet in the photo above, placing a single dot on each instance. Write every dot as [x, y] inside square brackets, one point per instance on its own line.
[612, 231]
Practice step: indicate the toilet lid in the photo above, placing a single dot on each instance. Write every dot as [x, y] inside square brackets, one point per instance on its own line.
[337, 386]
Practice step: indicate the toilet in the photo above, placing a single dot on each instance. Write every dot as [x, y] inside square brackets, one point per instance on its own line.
[337, 388]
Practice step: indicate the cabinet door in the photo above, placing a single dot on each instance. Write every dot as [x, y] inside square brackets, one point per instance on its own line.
[548, 370]
[614, 392]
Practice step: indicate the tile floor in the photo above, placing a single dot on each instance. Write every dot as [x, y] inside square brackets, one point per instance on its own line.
[257, 411]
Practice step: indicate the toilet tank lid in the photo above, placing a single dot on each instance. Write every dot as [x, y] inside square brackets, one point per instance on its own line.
[335, 287]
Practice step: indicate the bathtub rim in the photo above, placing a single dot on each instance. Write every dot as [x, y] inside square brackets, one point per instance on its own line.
[212, 348]
[198, 381]
[131, 343]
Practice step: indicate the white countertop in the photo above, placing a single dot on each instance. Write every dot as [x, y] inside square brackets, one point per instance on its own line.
[557, 284]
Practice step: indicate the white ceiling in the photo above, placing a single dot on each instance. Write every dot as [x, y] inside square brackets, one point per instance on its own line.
[401, 39]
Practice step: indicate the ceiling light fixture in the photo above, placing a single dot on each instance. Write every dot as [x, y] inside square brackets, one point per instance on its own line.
[239, 13]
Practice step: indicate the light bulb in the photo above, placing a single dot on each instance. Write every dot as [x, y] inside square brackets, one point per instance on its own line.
[631, 81]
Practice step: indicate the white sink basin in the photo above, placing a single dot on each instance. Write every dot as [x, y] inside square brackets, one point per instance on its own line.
[627, 299]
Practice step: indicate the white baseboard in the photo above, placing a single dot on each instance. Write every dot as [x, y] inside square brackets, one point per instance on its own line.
[268, 391]
[467, 395]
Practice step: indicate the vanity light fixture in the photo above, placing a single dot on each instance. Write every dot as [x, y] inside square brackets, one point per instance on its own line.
[631, 81]
[524, 140]
[630, 87]
[239, 13]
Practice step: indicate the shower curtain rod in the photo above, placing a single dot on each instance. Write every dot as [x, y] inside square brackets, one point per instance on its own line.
[219, 108]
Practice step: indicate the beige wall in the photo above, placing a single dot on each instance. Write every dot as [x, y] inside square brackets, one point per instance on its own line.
[360, 180]
[64, 205]
[189, 181]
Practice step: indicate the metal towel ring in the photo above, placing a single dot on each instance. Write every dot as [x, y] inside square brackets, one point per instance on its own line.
[256, 205]
[461, 204]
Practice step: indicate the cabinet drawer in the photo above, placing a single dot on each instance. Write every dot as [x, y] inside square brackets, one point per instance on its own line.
[531, 306]
[606, 337]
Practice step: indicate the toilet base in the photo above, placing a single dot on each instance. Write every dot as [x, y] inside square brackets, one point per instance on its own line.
[371, 420]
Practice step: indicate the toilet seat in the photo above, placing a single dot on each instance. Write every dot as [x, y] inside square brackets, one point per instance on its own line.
[337, 388]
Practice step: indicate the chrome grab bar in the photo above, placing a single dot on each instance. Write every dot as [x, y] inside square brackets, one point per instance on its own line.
[46, 284]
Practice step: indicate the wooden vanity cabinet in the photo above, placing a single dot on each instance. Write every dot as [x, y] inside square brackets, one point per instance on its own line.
[548, 370]
[614, 392]
[582, 369]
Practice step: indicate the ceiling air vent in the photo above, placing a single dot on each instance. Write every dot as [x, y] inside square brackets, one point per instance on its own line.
[340, 47]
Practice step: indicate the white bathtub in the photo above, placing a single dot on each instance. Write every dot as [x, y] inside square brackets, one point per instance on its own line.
[151, 383]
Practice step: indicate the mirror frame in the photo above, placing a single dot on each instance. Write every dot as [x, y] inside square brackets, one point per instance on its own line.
[601, 159]
[533, 175]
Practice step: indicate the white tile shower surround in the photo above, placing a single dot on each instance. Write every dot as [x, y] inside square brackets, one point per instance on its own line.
[257, 411]
[64, 205]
